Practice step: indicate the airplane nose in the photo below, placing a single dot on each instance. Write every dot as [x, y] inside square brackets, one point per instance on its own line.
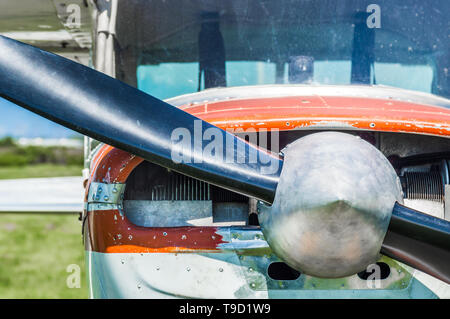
[332, 205]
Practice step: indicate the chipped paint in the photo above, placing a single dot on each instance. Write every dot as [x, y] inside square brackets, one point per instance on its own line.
[110, 234]
[375, 114]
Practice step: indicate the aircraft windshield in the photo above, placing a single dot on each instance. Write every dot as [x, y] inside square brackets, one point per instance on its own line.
[183, 47]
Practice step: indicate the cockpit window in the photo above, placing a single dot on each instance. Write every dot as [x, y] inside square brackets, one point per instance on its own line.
[158, 80]
[181, 47]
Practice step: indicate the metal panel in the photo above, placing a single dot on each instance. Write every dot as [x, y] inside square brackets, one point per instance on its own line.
[230, 213]
[166, 213]
[229, 275]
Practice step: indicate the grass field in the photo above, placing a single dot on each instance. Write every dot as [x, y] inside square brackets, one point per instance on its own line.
[35, 251]
[39, 170]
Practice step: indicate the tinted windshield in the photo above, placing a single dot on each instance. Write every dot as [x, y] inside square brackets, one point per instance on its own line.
[185, 46]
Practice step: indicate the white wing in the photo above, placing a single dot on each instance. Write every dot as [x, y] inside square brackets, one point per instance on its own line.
[42, 195]
[59, 26]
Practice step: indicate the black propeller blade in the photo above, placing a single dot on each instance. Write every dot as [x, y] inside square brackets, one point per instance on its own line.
[108, 110]
[420, 241]
[113, 112]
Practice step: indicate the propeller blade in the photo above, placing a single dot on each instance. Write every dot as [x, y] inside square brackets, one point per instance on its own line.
[115, 113]
[420, 241]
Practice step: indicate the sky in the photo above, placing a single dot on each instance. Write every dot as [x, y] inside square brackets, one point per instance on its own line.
[18, 122]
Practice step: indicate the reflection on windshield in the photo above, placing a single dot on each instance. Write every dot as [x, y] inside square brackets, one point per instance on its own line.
[172, 79]
[236, 43]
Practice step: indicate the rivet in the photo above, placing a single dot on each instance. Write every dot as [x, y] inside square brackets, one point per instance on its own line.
[252, 285]
[221, 269]
[99, 190]
[106, 198]
[114, 190]
[164, 234]
[183, 237]
[250, 269]
[188, 269]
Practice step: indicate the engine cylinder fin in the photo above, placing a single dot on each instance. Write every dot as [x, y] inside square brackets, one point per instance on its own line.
[424, 185]
[152, 182]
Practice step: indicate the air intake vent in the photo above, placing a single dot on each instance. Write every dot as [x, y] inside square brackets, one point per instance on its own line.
[180, 187]
[149, 181]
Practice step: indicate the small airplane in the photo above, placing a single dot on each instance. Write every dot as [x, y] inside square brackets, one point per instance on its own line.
[291, 189]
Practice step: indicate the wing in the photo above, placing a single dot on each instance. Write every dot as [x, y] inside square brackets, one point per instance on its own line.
[42, 195]
[59, 26]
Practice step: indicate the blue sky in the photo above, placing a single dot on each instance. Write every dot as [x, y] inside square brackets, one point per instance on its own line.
[17, 122]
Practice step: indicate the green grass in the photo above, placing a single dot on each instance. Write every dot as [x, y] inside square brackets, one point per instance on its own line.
[35, 250]
[39, 170]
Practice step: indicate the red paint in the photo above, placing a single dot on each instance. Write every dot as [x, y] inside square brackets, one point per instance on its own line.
[287, 113]
[109, 232]
[111, 165]
[115, 166]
